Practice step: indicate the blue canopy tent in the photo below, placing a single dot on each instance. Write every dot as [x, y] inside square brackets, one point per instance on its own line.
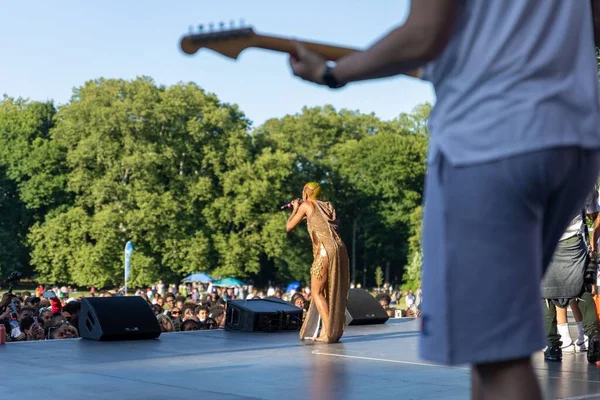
[229, 282]
[293, 286]
[198, 277]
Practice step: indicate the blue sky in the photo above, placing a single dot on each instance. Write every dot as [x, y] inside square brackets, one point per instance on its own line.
[48, 48]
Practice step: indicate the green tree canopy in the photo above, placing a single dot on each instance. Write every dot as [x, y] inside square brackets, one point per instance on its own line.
[32, 181]
[185, 178]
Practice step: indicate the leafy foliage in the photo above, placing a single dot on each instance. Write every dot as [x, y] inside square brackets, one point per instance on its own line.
[378, 277]
[183, 176]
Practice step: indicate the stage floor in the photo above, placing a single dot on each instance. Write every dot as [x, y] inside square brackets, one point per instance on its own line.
[371, 362]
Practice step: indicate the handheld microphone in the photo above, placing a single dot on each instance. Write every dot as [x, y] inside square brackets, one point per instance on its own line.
[288, 205]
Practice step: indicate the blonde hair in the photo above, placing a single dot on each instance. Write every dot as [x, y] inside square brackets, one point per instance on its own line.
[314, 190]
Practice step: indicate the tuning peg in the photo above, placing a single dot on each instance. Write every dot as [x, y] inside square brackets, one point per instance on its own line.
[222, 25]
[200, 28]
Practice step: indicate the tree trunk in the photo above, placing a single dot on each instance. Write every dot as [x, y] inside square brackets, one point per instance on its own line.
[364, 285]
[354, 250]
[387, 272]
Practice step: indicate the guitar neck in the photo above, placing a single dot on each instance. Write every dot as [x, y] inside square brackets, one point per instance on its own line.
[329, 52]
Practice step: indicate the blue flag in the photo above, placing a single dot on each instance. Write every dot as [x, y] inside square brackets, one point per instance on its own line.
[128, 251]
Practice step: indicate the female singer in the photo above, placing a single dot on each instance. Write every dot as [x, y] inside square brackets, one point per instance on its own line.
[326, 316]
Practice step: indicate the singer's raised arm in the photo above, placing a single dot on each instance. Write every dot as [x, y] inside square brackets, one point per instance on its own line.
[296, 216]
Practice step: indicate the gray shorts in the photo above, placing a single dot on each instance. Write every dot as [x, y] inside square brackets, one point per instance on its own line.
[564, 276]
[489, 232]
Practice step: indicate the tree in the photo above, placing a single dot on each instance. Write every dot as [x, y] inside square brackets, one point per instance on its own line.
[378, 277]
[415, 122]
[148, 164]
[13, 253]
[384, 176]
[412, 273]
[32, 182]
[31, 158]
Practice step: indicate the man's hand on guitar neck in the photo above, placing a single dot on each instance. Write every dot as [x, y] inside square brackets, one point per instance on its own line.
[308, 65]
[420, 40]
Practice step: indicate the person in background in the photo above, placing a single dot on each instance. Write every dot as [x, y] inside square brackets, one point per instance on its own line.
[166, 324]
[32, 302]
[32, 329]
[564, 284]
[161, 288]
[202, 313]
[419, 298]
[169, 301]
[384, 299]
[410, 299]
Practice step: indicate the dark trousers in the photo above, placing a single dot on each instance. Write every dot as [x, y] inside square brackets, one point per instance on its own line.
[588, 310]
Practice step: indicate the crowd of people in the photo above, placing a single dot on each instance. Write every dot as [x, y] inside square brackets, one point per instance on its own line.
[53, 312]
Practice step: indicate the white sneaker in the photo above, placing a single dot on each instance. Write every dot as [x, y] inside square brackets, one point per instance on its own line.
[569, 349]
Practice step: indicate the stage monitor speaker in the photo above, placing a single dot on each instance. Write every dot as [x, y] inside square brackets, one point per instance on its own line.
[262, 315]
[364, 309]
[117, 318]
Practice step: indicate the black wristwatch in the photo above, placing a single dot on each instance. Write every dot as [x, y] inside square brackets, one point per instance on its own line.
[330, 80]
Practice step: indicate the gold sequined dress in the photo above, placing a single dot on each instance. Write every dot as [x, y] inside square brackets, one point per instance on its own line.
[323, 228]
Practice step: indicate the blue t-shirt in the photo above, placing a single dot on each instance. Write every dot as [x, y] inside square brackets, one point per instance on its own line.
[517, 76]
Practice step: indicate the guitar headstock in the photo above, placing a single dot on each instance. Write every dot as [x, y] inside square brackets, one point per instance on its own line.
[228, 42]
